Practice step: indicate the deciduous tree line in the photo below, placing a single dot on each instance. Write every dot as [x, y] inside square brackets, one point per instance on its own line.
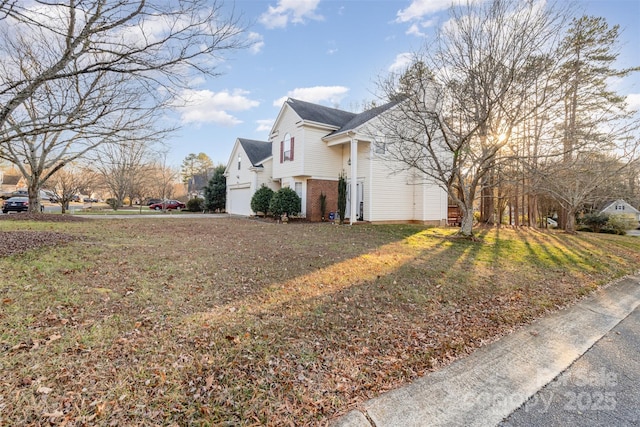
[511, 110]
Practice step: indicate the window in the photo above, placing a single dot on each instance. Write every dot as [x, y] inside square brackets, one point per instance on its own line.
[379, 146]
[298, 189]
[286, 148]
[239, 161]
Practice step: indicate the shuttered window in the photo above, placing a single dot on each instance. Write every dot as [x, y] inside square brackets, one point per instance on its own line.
[286, 148]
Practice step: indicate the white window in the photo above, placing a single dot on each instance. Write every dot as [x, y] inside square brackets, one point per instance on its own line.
[287, 148]
[298, 189]
[379, 146]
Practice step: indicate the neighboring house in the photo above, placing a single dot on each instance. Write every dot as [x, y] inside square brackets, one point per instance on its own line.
[248, 168]
[622, 208]
[10, 183]
[311, 145]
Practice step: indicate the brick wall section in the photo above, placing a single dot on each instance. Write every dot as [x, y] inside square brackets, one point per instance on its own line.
[314, 188]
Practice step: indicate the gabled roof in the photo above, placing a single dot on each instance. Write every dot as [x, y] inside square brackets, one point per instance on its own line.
[620, 202]
[364, 117]
[11, 179]
[319, 113]
[257, 151]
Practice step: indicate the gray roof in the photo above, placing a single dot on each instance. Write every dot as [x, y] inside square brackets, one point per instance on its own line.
[257, 151]
[319, 113]
[364, 117]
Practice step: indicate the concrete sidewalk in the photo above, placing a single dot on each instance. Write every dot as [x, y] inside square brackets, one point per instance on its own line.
[491, 383]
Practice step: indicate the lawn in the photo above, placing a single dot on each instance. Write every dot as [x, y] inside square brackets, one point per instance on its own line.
[240, 322]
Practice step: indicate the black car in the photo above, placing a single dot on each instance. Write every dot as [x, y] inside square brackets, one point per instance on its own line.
[153, 201]
[15, 204]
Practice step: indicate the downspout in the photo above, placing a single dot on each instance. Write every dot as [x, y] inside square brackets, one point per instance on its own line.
[354, 180]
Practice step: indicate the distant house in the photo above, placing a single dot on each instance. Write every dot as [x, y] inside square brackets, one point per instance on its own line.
[621, 208]
[10, 183]
[309, 147]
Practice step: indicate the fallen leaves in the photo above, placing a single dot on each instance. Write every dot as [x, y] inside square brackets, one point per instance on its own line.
[248, 323]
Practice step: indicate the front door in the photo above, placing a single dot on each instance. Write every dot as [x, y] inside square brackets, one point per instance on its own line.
[360, 200]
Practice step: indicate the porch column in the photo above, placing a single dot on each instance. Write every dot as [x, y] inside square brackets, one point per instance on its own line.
[354, 181]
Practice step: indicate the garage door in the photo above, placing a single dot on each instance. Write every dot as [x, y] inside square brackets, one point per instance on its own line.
[240, 201]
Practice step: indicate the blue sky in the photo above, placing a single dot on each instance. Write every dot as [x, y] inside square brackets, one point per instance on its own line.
[331, 52]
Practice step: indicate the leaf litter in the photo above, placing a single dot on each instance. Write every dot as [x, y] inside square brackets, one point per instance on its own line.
[240, 322]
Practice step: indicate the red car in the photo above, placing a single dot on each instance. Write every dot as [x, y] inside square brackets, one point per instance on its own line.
[168, 205]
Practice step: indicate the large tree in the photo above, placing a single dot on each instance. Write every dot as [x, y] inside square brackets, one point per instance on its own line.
[60, 57]
[464, 94]
[595, 119]
[195, 171]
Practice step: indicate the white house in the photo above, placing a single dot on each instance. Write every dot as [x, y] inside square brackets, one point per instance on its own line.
[311, 145]
[622, 208]
[248, 168]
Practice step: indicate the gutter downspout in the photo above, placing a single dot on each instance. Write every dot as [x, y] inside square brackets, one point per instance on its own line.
[354, 180]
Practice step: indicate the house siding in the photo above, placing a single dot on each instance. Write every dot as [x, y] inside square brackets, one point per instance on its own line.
[394, 196]
[286, 125]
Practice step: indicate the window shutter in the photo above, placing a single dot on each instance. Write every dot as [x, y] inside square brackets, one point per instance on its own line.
[291, 155]
[281, 151]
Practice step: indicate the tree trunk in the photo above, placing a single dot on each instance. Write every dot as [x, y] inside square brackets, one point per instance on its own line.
[34, 201]
[570, 221]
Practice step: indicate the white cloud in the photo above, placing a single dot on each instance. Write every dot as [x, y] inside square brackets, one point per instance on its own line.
[316, 94]
[205, 106]
[294, 11]
[403, 60]
[264, 125]
[331, 51]
[414, 30]
[257, 42]
[633, 101]
[420, 8]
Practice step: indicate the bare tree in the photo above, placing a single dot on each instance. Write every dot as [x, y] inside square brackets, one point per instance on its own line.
[121, 166]
[70, 182]
[164, 177]
[574, 186]
[76, 75]
[154, 41]
[463, 96]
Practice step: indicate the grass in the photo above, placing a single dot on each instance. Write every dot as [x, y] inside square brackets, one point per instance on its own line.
[239, 322]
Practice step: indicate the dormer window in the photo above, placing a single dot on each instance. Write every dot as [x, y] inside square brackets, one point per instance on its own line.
[286, 148]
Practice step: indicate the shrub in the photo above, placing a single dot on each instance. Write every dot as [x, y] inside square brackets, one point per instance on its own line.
[342, 197]
[619, 224]
[595, 221]
[323, 205]
[195, 205]
[284, 201]
[113, 203]
[261, 200]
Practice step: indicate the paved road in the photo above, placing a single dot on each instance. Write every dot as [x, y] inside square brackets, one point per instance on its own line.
[602, 388]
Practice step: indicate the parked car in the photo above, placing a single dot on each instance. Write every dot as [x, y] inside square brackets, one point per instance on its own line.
[168, 204]
[153, 201]
[90, 200]
[15, 204]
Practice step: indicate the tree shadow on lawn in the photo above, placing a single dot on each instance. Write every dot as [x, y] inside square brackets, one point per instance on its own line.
[333, 316]
[323, 346]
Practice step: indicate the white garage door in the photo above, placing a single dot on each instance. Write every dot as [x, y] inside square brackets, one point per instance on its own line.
[240, 201]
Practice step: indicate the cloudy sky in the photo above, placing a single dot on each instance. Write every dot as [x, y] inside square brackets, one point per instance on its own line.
[330, 52]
